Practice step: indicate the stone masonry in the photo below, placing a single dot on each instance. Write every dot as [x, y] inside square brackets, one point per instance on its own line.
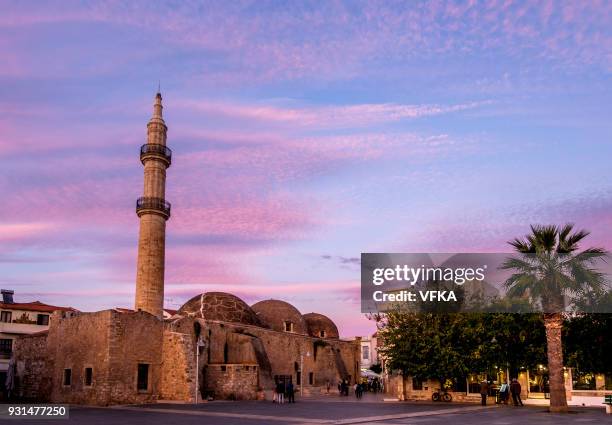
[153, 213]
[178, 380]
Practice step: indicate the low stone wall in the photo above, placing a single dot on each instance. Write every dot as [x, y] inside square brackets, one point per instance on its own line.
[232, 381]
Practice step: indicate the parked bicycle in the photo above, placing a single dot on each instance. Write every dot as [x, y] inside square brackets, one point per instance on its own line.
[441, 395]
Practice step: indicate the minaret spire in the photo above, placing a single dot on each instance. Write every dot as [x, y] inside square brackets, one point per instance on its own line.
[157, 108]
[153, 211]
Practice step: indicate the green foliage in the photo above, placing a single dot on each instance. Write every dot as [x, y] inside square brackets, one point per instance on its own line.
[587, 342]
[550, 267]
[441, 346]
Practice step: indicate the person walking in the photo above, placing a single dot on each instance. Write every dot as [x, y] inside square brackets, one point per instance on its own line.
[515, 390]
[290, 393]
[328, 386]
[484, 392]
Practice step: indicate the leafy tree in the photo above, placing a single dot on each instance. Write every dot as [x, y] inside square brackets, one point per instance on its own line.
[587, 343]
[508, 340]
[449, 346]
[423, 345]
[549, 269]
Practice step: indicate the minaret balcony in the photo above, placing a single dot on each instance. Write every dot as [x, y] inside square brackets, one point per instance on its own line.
[155, 151]
[149, 205]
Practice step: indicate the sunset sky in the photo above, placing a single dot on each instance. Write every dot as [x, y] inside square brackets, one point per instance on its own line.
[303, 133]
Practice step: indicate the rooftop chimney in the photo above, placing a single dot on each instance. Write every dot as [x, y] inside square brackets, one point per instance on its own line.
[7, 296]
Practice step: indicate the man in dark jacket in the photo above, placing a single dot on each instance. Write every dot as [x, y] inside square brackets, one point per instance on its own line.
[515, 390]
[290, 393]
[484, 392]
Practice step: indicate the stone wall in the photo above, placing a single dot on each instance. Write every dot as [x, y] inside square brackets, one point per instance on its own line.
[76, 343]
[134, 338]
[232, 381]
[276, 353]
[111, 343]
[33, 375]
[178, 367]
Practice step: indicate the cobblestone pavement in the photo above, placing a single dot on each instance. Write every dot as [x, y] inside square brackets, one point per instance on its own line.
[328, 411]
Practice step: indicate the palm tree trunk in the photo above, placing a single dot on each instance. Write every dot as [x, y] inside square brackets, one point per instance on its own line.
[553, 323]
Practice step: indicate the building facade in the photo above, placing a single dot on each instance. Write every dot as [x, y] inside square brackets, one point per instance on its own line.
[215, 345]
[17, 319]
[369, 352]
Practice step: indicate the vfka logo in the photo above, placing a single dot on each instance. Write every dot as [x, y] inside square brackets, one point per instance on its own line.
[438, 295]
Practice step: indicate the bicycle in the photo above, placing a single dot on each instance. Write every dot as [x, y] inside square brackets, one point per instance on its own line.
[441, 395]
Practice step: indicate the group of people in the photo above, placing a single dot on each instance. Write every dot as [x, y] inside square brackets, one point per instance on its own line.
[514, 389]
[372, 385]
[284, 391]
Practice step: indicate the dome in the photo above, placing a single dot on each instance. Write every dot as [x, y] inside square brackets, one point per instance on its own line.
[280, 316]
[219, 306]
[320, 326]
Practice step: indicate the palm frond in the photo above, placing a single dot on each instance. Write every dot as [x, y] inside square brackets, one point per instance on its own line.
[549, 268]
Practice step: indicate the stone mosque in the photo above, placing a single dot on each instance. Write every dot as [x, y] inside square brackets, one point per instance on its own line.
[215, 345]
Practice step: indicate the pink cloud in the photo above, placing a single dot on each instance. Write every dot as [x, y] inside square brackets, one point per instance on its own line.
[19, 231]
[359, 115]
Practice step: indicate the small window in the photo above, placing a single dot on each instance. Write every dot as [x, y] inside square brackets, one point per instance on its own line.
[311, 378]
[365, 350]
[42, 319]
[223, 368]
[6, 316]
[6, 346]
[142, 382]
[288, 326]
[88, 376]
[67, 377]
[322, 334]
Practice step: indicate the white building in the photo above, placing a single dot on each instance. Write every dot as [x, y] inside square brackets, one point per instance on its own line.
[369, 351]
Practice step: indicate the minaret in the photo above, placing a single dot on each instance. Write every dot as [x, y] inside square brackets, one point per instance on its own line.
[153, 211]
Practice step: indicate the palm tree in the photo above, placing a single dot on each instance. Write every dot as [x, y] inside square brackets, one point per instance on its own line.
[550, 269]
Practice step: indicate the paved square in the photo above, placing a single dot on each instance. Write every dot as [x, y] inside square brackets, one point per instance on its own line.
[327, 411]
